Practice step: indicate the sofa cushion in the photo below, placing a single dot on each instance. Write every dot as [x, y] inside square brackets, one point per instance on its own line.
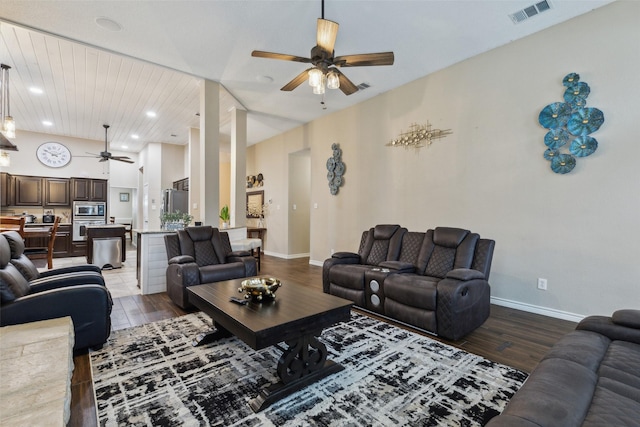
[423, 319]
[582, 347]
[628, 318]
[557, 393]
[412, 290]
[219, 272]
[613, 404]
[349, 275]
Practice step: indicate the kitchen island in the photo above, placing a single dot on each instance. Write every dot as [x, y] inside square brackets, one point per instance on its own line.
[116, 231]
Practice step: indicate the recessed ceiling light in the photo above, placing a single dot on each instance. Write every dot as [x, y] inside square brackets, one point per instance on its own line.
[36, 90]
[151, 114]
[125, 146]
[47, 123]
[108, 24]
[134, 136]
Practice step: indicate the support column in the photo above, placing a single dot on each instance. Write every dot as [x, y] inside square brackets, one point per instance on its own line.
[209, 152]
[194, 175]
[238, 167]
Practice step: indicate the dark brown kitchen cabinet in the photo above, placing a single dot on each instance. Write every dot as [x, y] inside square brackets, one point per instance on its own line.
[28, 191]
[56, 192]
[94, 190]
[62, 245]
[6, 195]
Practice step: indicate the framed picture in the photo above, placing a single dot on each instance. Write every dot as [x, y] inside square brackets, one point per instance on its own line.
[255, 200]
[124, 197]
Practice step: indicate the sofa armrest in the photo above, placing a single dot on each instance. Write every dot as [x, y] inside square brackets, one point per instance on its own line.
[462, 306]
[346, 255]
[464, 274]
[398, 266]
[182, 259]
[65, 280]
[618, 327]
[71, 269]
[238, 254]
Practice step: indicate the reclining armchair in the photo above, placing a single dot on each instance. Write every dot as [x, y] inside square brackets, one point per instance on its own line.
[200, 255]
[82, 274]
[67, 294]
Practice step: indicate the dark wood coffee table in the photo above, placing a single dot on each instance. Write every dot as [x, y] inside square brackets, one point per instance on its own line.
[296, 317]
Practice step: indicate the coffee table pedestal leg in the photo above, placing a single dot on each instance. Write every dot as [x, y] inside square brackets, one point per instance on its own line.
[302, 363]
[213, 335]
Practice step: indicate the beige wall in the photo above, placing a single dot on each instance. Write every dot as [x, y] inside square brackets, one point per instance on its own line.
[580, 231]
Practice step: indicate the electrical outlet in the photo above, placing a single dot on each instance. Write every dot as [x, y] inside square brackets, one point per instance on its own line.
[542, 284]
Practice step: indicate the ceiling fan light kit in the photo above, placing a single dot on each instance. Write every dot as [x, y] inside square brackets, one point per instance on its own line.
[325, 73]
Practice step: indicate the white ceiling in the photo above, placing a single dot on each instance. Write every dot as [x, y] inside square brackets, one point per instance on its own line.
[91, 75]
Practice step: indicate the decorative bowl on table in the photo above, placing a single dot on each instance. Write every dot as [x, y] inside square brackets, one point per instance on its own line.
[260, 289]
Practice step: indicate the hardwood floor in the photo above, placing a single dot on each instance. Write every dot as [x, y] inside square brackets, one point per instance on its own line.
[509, 336]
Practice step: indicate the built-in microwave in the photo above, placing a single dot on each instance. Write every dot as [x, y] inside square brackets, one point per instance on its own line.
[89, 209]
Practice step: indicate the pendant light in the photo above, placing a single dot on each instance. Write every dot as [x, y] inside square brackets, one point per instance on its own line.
[8, 124]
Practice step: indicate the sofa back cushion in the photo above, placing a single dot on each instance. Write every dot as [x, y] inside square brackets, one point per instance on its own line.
[197, 242]
[411, 245]
[382, 243]
[12, 282]
[18, 258]
[446, 249]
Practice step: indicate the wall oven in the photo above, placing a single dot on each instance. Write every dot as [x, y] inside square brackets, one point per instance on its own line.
[87, 213]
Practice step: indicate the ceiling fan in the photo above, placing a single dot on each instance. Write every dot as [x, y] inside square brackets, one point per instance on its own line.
[325, 64]
[105, 155]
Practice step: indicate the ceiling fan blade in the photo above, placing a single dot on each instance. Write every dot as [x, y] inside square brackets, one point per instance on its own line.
[122, 159]
[327, 33]
[346, 86]
[297, 81]
[364, 59]
[282, 56]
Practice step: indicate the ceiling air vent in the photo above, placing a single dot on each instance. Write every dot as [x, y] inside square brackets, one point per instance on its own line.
[530, 11]
[363, 86]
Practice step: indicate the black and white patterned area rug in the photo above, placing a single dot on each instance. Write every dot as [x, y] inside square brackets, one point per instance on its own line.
[150, 375]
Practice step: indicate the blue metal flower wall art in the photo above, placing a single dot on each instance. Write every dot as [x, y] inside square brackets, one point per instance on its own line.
[570, 121]
[335, 169]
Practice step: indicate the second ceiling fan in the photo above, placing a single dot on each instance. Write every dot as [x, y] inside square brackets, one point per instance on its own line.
[325, 70]
[106, 155]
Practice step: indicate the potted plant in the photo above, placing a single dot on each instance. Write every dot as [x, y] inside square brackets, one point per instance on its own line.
[224, 216]
[175, 220]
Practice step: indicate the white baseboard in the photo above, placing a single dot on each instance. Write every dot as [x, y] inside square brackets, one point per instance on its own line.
[316, 263]
[545, 311]
[285, 256]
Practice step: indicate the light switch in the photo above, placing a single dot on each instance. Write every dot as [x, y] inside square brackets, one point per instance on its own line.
[315, 206]
[195, 206]
[294, 207]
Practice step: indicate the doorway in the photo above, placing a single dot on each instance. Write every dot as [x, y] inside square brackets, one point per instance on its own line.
[299, 211]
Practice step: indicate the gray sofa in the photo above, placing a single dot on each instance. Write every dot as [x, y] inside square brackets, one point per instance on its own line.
[591, 377]
[435, 280]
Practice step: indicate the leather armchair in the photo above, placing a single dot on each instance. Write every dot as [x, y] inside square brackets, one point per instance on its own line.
[88, 272]
[22, 301]
[200, 255]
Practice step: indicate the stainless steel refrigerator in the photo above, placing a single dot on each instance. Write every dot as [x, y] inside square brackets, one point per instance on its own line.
[175, 200]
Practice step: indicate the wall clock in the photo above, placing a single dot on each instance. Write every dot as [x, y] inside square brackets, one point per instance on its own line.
[53, 154]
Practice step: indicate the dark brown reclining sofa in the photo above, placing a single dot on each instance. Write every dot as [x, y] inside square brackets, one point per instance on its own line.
[436, 280]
